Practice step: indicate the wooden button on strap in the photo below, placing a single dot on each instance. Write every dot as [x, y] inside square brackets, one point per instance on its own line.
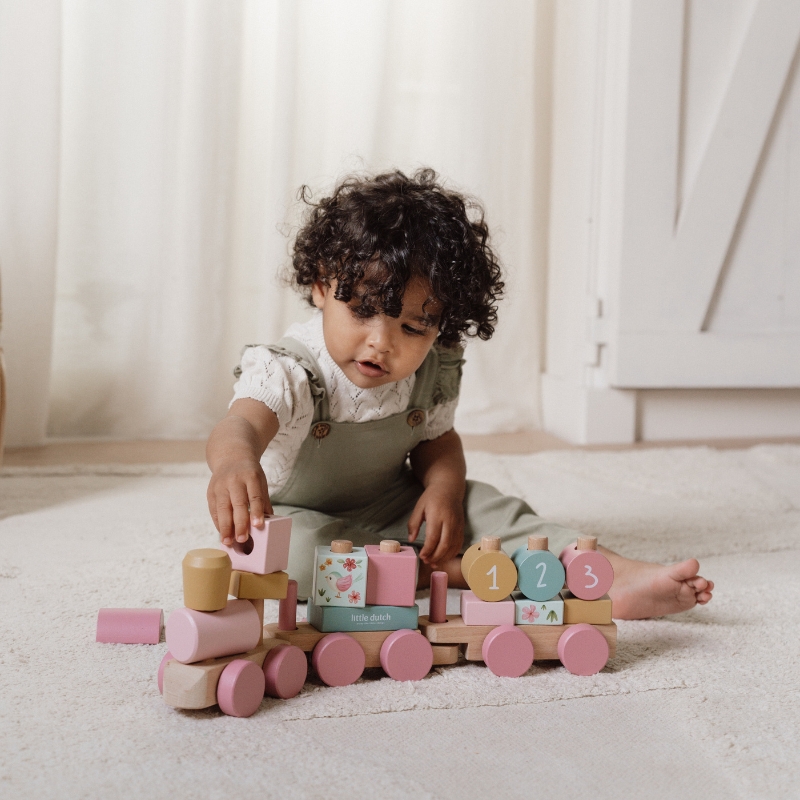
[320, 430]
[415, 418]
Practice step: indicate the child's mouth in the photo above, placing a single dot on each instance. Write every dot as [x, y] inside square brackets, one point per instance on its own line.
[371, 369]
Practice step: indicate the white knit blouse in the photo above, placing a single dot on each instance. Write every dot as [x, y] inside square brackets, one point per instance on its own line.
[282, 385]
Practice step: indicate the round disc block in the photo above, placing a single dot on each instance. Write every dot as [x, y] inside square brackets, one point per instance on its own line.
[241, 688]
[285, 670]
[541, 574]
[492, 576]
[167, 657]
[338, 660]
[589, 575]
[583, 650]
[507, 651]
[406, 655]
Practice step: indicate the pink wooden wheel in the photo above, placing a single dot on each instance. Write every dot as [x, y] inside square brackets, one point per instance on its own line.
[338, 659]
[241, 688]
[285, 670]
[167, 657]
[507, 651]
[406, 655]
[583, 650]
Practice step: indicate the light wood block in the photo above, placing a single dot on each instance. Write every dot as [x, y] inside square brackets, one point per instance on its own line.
[544, 637]
[195, 685]
[445, 654]
[250, 586]
[595, 612]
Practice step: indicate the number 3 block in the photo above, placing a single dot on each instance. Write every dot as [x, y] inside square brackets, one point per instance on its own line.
[589, 573]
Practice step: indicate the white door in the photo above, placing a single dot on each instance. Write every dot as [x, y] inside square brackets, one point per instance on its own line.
[705, 291]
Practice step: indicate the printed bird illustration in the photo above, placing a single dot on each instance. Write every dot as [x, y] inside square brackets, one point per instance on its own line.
[339, 583]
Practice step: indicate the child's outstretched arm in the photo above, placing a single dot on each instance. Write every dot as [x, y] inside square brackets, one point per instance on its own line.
[237, 493]
[440, 466]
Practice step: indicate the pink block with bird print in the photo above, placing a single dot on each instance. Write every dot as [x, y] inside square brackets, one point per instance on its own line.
[340, 579]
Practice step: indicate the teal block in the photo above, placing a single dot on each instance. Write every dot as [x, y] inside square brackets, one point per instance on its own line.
[330, 619]
[532, 612]
[539, 573]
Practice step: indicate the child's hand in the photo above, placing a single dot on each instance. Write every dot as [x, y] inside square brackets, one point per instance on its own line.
[238, 497]
[442, 509]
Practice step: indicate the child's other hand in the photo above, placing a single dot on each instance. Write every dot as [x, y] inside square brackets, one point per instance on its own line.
[238, 497]
[442, 510]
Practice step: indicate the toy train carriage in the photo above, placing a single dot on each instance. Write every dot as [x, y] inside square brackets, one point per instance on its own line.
[218, 653]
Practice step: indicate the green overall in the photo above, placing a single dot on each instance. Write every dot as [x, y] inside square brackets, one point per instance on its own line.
[352, 480]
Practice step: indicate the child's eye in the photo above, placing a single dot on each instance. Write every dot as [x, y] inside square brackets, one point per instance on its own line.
[413, 331]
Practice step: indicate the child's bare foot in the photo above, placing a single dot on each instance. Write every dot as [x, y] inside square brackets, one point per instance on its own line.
[642, 589]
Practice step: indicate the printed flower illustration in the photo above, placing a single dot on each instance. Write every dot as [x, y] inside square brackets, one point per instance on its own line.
[322, 567]
[354, 596]
[349, 564]
[328, 561]
[530, 613]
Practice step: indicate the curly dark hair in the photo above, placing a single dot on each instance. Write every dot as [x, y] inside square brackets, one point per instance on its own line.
[374, 234]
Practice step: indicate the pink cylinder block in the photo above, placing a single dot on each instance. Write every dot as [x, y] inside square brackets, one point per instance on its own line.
[583, 650]
[589, 573]
[167, 657]
[438, 610]
[129, 625]
[507, 651]
[285, 671]
[240, 689]
[338, 660]
[406, 655]
[197, 635]
[287, 609]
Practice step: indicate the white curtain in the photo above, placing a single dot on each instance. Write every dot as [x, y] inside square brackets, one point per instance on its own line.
[151, 153]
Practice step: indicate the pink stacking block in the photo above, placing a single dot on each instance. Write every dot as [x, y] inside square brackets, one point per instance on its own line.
[267, 549]
[589, 573]
[507, 651]
[391, 577]
[338, 659]
[240, 689]
[438, 608]
[406, 655]
[583, 650]
[197, 635]
[130, 625]
[285, 671]
[475, 611]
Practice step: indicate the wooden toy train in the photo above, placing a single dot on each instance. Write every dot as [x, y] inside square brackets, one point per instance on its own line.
[362, 614]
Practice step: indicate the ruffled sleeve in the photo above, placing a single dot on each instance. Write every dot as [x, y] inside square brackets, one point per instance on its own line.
[441, 415]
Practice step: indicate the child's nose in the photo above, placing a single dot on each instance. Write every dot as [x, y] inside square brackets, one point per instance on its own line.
[380, 337]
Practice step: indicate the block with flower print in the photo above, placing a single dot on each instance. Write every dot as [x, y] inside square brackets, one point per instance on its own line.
[340, 579]
[532, 612]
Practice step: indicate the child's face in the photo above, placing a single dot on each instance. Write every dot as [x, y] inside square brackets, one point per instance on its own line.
[379, 349]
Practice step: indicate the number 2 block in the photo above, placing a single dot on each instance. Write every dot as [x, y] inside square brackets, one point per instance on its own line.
[532, 612]
[541, 574]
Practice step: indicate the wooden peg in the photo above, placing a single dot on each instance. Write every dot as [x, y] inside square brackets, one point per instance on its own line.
[390, 546]
[490, 544]
[287, 609]
[438, 612]
[537, 543]
[341, 546]
[587, 543]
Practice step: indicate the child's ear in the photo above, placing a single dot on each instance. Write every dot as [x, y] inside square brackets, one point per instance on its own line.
[319, 291]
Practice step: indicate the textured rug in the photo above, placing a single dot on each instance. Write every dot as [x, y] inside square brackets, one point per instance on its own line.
[705, 701]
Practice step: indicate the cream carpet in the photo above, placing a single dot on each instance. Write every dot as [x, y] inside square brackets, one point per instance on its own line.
[705, 704]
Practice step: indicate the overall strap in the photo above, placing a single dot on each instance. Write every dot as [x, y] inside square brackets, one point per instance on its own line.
[422, 394]
[288, 346]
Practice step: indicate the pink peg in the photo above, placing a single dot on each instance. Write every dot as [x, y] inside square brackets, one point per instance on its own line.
[438, 609]
[287, 609]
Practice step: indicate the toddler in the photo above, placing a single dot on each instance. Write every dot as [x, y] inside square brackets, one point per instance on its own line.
[346, 424]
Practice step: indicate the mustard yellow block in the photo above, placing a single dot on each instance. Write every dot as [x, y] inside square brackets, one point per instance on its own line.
[595, 612]
[249, 586]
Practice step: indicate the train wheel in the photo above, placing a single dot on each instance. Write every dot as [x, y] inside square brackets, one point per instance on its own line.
[338, 659]
[167, 657]
[406, 655]
[241, 688]
[507, 651]
[285, 671]
[583, 650]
